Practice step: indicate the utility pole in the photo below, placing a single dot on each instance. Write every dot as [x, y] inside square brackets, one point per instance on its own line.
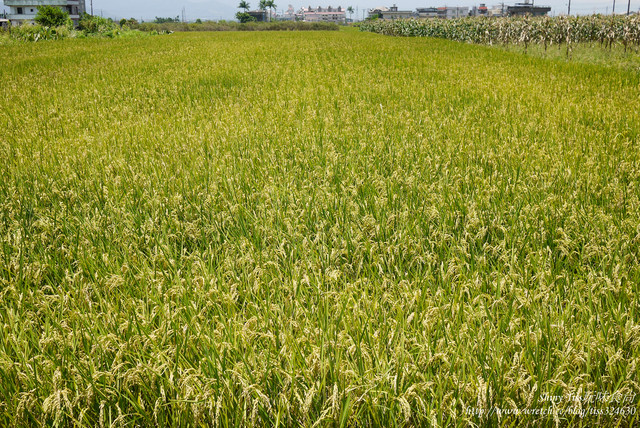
[184, 13]
[614, 7]
[569, 9]
[629, 8]
[91, 7]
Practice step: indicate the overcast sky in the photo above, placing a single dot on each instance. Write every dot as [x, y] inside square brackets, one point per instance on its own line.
[225, 9]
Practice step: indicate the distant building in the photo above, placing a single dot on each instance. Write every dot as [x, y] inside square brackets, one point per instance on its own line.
[453, 12]
[21, 11]
[259, 15]
[526, 8]
[377, 12]
[391, 13]
[427, 12]
[497, 11]
[320, 14]
[289, 15]
[481, 10]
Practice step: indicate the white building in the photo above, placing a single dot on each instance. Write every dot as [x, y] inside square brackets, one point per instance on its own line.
[497, 10]
[453, 12]
[289, 15]
[320, 14]
[21, 11]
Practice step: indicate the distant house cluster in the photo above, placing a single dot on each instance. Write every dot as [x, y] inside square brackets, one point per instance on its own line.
[326, 14]
[337, 15]
[25, 11]
[448, 12]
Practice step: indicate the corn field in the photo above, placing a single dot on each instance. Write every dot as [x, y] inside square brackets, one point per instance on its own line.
[316, 229]
[547, 31]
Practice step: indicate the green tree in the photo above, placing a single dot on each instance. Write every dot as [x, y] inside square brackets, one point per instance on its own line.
[350, 10]
[244, 17]
[92, 24]
[244, 5]
[131, 22]
[160, 20]
[50, 16]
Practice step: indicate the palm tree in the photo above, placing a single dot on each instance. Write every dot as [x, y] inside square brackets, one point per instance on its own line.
[263, 5]
[350, 10]
[271, 5]
[244, 5]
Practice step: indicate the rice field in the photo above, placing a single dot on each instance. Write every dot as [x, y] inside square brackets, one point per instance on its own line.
[316, 229]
